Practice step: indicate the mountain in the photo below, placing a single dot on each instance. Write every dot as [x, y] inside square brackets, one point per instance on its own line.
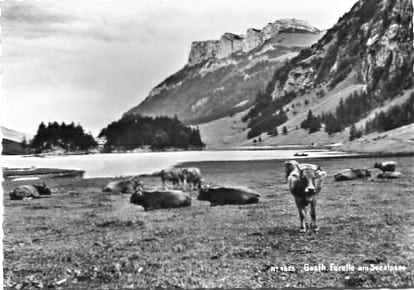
[262, 88]
[222, 77]
[361, 67]
[14, 135]
[12, 141]
[369, 52]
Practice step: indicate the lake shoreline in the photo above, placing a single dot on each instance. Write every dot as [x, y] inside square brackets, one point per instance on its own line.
[329, 147]
[38, 173]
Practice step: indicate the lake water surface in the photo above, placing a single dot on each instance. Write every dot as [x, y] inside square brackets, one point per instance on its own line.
[123, 164]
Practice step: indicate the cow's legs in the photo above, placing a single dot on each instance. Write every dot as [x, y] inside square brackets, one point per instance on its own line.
[302, 216]
[185, 184]
[313, 215]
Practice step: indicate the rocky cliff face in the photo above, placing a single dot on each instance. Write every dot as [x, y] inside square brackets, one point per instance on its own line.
[224, 76]
[231, 43]
[374, 41]
[389, 50]
[201, 50]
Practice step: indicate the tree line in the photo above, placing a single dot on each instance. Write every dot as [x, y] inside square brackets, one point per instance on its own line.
[396, 116]
[356, 107]
[130, 132]
[134, 131]
[267, 114]
[69, 137]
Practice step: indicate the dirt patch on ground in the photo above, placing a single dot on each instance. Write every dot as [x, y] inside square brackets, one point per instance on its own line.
[81, 237]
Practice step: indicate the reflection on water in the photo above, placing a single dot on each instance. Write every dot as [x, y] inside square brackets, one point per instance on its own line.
[117, 164]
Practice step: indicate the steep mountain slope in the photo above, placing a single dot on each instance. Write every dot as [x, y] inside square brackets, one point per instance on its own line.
[12, 141]
[223, 76]
[368, 55]
[374, 39]
[14, 135]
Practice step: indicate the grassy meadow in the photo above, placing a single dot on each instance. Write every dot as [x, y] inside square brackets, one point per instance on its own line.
[81, 237]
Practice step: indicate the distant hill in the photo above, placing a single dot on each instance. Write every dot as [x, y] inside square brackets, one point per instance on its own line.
[14, 135]
[12, 141]
[222, 77]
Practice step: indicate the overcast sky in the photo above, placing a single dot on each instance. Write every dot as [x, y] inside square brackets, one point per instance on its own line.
[90, 61]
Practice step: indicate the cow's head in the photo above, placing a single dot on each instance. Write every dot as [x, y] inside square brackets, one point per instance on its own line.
[367, 172]
[200, 184]
[311, 178]
[203, 192]
[43, 189]
[137, 197]
[290, 166]
[135, 183]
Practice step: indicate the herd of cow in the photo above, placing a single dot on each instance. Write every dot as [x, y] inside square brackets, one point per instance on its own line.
[304, 182]
[387, 171]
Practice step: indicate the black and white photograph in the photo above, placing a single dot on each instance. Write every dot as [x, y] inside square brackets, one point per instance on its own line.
[204, 144]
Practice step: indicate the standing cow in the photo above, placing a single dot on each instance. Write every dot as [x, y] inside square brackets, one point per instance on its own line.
[173, 175]
[305, 182]
[192, 177]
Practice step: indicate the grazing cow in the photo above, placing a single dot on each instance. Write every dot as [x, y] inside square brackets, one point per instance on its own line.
[221, 195]
[389, 175]
[386, 165]
[157, 199]
[351, 174]
[173, 175]
[29, 191]
[305, 182]
[122, 186]
[192, 177]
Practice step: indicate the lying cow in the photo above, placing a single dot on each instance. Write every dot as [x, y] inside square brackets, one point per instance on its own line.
[351, 174]
[122, 186]
[192, 176]
[221, 195]
[386, 166]
[389, 175]
[305, 182]
[29, 191]
[157, 199]
[173, 175]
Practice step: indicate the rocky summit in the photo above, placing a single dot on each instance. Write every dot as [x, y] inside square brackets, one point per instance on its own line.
[231, 43]
[222, 77]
